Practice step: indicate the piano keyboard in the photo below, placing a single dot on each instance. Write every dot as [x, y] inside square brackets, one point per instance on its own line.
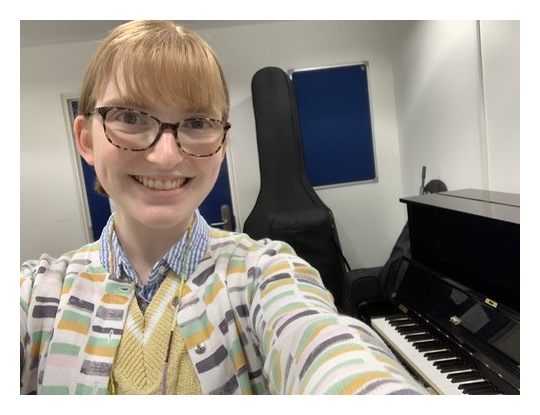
[435, 364]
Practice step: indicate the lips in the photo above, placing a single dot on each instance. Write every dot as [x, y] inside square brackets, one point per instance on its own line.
[157, 184]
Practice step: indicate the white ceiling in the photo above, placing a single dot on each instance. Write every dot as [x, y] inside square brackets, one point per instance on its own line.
[49, 32]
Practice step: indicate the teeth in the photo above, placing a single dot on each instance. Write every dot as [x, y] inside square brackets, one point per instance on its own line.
[160, 184]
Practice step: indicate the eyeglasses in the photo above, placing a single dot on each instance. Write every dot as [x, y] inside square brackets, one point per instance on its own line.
[129, 129]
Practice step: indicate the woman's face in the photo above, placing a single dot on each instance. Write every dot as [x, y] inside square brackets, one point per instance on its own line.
[158, 188]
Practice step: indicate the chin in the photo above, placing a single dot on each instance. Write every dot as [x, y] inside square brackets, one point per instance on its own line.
[165, 223]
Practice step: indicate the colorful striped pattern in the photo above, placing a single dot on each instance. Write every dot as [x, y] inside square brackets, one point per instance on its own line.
[255, 319]
[84, 318]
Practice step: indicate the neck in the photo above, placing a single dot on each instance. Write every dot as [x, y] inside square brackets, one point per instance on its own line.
[145, 246]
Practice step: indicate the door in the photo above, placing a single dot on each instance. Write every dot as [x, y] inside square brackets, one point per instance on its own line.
[217, 207]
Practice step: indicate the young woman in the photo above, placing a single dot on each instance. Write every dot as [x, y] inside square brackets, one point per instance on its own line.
[162, 303]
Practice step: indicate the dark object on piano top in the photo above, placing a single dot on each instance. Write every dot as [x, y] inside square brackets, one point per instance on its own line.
[434, 186]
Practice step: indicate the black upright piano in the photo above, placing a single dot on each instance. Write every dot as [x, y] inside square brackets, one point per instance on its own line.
[454, 320]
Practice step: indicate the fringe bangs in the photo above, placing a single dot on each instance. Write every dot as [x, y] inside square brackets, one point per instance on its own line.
[192, 81]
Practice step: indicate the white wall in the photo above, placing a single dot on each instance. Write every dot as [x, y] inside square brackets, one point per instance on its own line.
[457, 96]
[501, 75]
[368, 216]
[425, 89]
[51, 215]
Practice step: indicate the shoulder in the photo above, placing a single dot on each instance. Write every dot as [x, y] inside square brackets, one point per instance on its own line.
[237, 243]
[56, 269]
[237, 253]
[240, 255]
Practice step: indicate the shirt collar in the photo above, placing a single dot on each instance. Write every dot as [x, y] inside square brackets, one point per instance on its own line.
[172, 260]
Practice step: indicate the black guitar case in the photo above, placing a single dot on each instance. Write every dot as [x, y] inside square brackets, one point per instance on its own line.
[287, 207]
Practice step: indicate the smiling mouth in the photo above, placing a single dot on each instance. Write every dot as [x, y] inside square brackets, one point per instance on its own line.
[161, 184]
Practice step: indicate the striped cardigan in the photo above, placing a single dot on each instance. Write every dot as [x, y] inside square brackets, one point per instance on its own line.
[255, 319]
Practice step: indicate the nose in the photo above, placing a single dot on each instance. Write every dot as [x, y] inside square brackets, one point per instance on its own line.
[166, 151]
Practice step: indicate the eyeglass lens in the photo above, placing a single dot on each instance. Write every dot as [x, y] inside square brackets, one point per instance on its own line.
[136, 130]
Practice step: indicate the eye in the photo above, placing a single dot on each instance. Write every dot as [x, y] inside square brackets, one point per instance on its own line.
[198, 124]
[127, 116]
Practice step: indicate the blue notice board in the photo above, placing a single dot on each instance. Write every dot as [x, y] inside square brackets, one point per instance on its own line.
[335, 120]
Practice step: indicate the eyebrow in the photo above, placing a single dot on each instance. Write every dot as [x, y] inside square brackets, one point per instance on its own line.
[124, 102]
[186, 114]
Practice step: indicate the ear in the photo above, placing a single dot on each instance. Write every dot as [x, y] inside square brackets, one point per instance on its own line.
[83, 138]
[224, 149]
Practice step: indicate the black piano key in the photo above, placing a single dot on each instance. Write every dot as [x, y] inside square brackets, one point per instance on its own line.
[457, 367]
[472, 387]
[444, 354]
[430, 342]
[396, 317]
[409, 330]
[399, 323]
[451, 365]
[490, 390]
[418, 337]
[449, 362]
[463, 376]
[427, 346]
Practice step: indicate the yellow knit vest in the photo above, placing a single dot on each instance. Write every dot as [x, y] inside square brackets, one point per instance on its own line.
[139, 364]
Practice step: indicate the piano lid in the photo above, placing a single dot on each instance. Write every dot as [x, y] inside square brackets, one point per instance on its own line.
[472, 237]
[494, 205]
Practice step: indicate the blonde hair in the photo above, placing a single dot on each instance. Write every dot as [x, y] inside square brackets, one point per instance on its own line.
[158, 60]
